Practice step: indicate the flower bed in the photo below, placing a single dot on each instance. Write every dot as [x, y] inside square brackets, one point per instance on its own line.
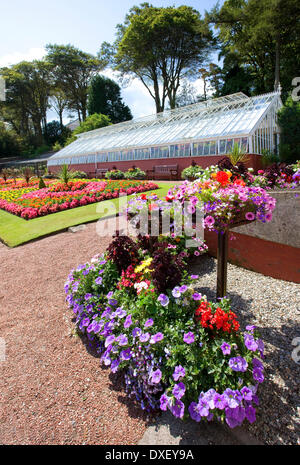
[30, 202]
[176, 350]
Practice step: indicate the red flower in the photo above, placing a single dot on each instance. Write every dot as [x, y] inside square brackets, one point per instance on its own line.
[222, 177]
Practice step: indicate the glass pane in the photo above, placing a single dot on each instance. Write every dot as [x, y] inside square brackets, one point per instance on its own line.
[222, 146]
[206, 148]
[244, 144]
[213, 147]
[229, 145]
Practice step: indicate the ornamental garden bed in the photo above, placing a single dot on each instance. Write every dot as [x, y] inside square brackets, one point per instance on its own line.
[176, 349]
[28, 201]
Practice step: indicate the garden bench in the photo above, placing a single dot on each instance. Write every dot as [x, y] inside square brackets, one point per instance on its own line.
[100, 172]
[161, 171]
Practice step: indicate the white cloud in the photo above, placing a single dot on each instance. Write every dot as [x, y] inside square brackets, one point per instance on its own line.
[16, 57]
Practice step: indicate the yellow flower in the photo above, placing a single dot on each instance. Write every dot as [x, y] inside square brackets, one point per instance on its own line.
[143, 265]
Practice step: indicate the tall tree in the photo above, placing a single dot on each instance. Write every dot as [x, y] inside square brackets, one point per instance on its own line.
[160, 46]
[264, 37]
[105, 97]
[27, 97]
[73, 70]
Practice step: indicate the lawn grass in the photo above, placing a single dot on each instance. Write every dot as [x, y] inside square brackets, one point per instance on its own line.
[15, 231]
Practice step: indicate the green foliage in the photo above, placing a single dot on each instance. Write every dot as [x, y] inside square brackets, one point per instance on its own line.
[42, 184]
[114, 174]
[289, 122]
[79, 174]
[105, 97]
[134, 173]
[9, 144]
[95, 121]
[268, 158]
[259, 41]
[56, 147]
[160, 46]
[191, 172]
[73, 70]
[55, 133]
[65, 174]
[237, 155]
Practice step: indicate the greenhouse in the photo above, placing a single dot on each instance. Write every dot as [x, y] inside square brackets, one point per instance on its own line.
[203, 132]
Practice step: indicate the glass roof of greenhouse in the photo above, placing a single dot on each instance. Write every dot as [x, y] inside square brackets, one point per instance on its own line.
[230, 116]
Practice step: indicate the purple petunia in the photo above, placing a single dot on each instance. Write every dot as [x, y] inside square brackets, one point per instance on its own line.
[176, 292]
[98, 280]
[250, 342]
[144, 337]
[197, 296]
[179, 372]
[194, 411]
[226, 348]
[109, 340]
[247, 393]
[136, 332]
[163, 299]
[148, 323]
[156, 338]
[238, 364]
[177, 408]
[258, 375]
[155, 376]
[220, 401]
[178, 390]
[126, 354]
[189, 337]
[122, 340]
[114, 365]
[128, 321]
[164, 401]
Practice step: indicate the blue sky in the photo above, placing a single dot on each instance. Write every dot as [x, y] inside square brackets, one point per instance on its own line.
[27, 26]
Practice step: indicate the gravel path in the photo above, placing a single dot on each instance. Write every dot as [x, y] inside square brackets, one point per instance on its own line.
[273, 306]
[52, 386]
[53, 390]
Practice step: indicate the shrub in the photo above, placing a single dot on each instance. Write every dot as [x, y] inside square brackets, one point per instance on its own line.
[114, 174]
[135, 173]
[123, 252]
[191, 172]
[42, 184]
[79, 174]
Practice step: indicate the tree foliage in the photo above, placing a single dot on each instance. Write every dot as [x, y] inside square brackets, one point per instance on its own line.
[289, 122]
[95, 121]
[9, 144]
[105, 97]
[260, 43]
[160, 46]
[73, 70]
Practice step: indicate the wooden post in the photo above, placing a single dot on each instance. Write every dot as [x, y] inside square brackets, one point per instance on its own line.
[222, 257]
